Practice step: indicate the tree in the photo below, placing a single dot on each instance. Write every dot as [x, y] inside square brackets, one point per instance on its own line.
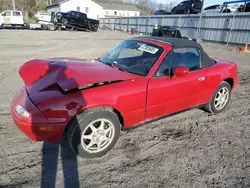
[147, 7]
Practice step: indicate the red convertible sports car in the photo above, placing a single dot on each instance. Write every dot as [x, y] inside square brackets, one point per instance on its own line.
[88, 102]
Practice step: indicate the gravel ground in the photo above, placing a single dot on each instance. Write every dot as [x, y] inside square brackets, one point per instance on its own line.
[191, 149]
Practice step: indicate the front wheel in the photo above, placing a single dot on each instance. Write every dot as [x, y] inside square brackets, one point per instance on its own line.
[94, 132]
[220, 99]
[95, 28]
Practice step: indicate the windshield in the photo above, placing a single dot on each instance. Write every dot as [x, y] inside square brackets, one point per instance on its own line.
[133, 56]
[185, 3]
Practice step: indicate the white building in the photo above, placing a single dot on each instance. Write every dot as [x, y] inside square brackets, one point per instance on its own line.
[95, 9]
[118, 9]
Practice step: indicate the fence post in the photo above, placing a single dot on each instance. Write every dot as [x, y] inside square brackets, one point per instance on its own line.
[120, 24]
[127, 24]
[137, 29]
[147, 26]
[231, 29]
[149, 18]
[109, 23]
[199, 24]
[199, 27]
[178, 23]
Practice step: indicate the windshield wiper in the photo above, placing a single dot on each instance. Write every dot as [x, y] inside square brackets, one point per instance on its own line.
[98, 59]
[116, 65]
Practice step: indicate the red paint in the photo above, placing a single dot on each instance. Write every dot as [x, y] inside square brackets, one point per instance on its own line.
[136, 98]
[181, 71]
[32, 126]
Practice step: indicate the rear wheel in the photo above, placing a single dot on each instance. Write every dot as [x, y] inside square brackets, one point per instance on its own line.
[220, 99]
[94, 132]
[52, 28]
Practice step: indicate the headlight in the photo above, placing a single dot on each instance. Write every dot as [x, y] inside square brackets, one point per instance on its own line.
[21, 111]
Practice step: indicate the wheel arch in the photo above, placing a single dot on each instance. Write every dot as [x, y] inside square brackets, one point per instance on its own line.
[117, 112]
[230, 81]
[110, 108]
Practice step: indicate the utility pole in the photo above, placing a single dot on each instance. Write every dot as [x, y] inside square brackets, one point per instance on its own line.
[49, 2]
[14, 4]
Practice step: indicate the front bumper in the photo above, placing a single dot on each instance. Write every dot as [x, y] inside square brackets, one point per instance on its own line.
[35, 127]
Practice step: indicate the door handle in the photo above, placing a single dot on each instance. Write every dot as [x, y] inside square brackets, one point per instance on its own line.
[201, 78]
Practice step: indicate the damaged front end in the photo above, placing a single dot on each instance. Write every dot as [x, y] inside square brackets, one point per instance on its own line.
[58, 78]
[56, 86]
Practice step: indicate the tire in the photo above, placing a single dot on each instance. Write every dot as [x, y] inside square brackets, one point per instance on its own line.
[88, 123]
[94, 28]
[187, 11]
[227, 11]
[64, 21]
[211, 106]
[51, 27]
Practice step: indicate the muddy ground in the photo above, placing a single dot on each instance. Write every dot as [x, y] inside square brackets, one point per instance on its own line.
[191, 149]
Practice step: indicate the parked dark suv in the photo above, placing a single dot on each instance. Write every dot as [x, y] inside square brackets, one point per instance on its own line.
[247, 9]
[77, 19]
[188, 7]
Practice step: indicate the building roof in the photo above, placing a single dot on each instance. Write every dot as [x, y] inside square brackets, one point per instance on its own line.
[57, 2]
[175, 42]
[117, 6]
[109, 6]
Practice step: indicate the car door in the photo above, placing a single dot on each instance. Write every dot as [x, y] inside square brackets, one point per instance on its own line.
[17, 18]
[168, 93]
[183, 6]
[77, 19]
[6, 17]
[197, 6]
[73, 17]
[83, 20]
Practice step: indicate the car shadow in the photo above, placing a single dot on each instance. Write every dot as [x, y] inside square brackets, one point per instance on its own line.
[53, 151]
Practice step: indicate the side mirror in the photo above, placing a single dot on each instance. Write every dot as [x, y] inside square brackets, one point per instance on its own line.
[180, 71]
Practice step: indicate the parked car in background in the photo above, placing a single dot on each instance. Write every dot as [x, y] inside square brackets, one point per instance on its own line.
[162, 12]
[220, 9]
[11, 17]
[43, 17]
[173, 32]
[188, 7]
[77, 19]
[247, 8]
[228, 7]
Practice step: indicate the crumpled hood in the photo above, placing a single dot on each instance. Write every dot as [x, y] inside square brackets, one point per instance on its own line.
[69, 74]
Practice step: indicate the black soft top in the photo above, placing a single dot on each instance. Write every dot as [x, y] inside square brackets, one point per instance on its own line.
[183, 43]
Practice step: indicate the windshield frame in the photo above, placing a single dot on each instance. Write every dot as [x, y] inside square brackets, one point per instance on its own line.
[152, 44]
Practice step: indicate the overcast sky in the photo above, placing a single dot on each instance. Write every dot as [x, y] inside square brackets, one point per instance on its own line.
[207, 2]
